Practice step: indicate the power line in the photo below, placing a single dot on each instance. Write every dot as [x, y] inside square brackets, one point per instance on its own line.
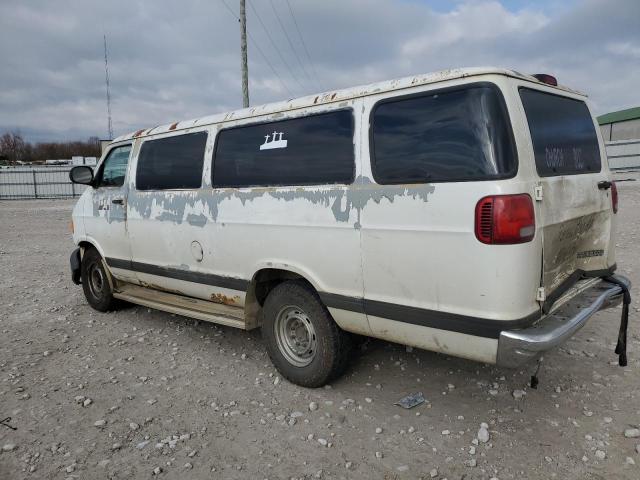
[289, 40]
[255, 44]
[237, 17]
[304, 45]
[275, 46]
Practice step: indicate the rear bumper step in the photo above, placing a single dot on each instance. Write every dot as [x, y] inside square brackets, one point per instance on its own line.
[517, 347]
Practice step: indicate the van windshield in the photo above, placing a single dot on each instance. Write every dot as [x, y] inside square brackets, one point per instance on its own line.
[563, 134]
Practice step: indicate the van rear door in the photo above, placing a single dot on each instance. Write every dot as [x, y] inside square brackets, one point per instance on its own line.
[575, 210]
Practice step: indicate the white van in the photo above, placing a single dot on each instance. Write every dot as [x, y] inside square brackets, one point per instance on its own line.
[469, 212]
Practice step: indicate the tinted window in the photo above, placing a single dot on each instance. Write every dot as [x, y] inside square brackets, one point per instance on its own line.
[173, 162]
[450, 135]
[114, 168]
[317, 149]
[563, 135]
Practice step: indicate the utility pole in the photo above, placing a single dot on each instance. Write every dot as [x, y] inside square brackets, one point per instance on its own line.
[243, 54]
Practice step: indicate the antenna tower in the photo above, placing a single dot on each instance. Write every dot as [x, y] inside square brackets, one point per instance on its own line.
[106, 76]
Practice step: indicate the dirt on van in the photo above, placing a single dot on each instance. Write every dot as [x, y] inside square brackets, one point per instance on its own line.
[139, 393]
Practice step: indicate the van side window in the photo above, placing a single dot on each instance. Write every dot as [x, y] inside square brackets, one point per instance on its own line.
[114, 167]
[563, 134]
[172, 162]
[449, 135]
[311, 150]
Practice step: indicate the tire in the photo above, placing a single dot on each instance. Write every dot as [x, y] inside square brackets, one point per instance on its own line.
[95, 281]
[304, 343]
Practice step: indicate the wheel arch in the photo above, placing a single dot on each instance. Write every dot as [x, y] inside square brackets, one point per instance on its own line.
[85, 243]
[263, 281]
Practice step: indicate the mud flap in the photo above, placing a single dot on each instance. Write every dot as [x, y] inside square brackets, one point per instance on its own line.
[75, 262]
[621, 346]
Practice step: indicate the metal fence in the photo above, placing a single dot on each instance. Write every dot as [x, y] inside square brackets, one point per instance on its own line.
[40, 182]
[623, 154]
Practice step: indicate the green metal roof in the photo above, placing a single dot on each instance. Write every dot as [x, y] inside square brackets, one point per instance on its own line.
[619, 116]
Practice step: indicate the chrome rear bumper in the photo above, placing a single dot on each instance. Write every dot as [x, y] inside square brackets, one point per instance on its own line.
[517, 347]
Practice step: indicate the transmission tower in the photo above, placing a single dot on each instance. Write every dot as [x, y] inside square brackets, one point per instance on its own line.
[106, 76]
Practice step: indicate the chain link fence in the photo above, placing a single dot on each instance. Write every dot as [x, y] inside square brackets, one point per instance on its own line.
[37, 182]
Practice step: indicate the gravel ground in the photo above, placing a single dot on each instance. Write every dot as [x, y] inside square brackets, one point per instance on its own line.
[141, 393]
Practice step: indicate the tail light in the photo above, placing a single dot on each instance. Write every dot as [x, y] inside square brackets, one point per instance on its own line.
[505, 219]
[614, 197]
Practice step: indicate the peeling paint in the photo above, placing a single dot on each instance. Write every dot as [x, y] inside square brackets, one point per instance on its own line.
[102, 207]
[197, 220]
[196, 207]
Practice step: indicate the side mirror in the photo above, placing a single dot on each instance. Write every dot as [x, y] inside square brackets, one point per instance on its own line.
[81, 174]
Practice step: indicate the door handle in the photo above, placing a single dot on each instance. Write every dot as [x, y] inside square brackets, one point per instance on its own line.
[604, 185]
[117, 201]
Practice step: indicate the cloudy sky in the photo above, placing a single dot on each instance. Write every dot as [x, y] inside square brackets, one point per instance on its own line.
[172, 60]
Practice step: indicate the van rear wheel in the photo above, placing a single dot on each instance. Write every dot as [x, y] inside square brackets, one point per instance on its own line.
[303, 341]
[95, 281]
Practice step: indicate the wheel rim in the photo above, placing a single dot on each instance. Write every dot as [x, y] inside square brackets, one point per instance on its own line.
[96, 280]
[295, 336]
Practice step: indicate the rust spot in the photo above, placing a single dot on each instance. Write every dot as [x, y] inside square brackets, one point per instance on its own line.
[137, 134]
[153, 286]
[173, 126]
[224, 299]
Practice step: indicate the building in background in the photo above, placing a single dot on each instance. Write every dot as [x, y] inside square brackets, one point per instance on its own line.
[621, 134]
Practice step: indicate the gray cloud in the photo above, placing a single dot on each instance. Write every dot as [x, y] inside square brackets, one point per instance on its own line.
[177, 60]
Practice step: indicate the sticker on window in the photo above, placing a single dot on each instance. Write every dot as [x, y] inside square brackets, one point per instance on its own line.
[270, 145]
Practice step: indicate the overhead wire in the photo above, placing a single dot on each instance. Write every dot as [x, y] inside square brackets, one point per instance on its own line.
[275, 47]
[284, 30]
[304, 45]
[255, 45]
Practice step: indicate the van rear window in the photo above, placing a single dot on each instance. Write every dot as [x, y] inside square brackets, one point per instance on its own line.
[171, 162]
[563, 134]
[450, 135]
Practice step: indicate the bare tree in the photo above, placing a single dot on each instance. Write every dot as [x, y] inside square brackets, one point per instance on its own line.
[13, 147]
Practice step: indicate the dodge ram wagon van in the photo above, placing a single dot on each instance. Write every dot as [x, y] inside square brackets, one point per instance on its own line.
[469, 212]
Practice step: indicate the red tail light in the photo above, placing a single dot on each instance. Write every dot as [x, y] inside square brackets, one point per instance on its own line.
[614, 197]
[505, 219]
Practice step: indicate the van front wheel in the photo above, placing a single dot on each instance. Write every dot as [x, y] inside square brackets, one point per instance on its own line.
[303, 341]
[95, 281]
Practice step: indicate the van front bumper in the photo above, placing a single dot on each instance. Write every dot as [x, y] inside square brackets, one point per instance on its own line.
[517, 347]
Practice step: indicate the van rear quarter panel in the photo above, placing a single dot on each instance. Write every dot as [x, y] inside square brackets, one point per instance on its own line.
[421, 251]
